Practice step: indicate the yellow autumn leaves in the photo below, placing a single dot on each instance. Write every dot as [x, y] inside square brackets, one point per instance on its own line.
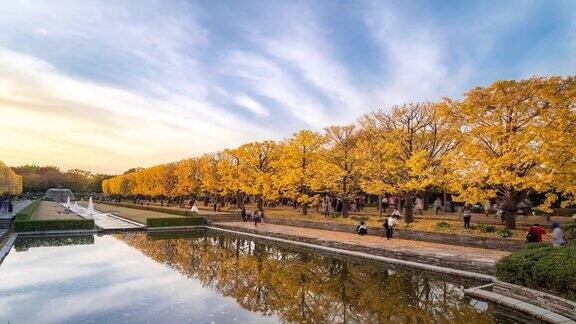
[507, 140]
[10, 182]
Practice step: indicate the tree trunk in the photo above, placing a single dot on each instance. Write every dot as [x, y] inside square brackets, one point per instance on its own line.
[260, 202]
[408, 207]
[510, 210]
[380, 205]
[305, 209]
[239, 200]
[345, 207]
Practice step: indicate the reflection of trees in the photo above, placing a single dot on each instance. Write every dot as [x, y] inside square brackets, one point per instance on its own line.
[309, 287]
[24, 243]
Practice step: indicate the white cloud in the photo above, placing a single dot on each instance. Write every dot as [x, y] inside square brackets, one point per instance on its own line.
[252, 105]
[73, 123]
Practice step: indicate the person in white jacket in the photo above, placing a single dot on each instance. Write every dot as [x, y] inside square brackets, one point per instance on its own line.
[557, 235]
[195, 209]
[389, 226]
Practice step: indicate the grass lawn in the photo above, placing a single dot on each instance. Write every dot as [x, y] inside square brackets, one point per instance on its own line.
[429, 225]
[136, 215]
[49, 210]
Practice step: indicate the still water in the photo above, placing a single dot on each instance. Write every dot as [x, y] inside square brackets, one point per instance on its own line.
[205, 277]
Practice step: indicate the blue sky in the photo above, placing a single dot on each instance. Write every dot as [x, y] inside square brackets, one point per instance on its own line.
[109, 85]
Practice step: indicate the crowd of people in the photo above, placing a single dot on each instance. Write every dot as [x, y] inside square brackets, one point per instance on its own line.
[534, 235]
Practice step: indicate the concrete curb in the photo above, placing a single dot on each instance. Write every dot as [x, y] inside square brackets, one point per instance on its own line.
[174, 228]
[7, 246]
[526, 308]
[63, 232]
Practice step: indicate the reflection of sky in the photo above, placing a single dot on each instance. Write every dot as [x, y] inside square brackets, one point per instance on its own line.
[106, 282]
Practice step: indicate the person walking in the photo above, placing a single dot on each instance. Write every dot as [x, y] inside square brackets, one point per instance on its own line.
[557, 235]
[256, 217]
[467, 216]
[389, 226]
[396, 214]
[243, 214]
[419, 205]
[437, 205]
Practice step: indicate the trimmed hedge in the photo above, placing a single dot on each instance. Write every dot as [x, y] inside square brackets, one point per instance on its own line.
[28, 212]
[171, 211]
[542, 267]
[53, 225]
[174, 221]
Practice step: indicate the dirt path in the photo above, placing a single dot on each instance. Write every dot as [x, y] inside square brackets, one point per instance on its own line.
[424, 250]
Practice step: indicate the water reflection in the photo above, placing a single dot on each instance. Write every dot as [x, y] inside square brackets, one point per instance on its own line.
[202, 277]
[309, 287]
[24, 243]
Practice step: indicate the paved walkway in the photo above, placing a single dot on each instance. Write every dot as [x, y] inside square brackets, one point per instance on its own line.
[6, 218]
[485, 257]
[18, 206]
[108, 222]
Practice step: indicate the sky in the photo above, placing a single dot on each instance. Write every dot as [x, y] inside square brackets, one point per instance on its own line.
[110, 85]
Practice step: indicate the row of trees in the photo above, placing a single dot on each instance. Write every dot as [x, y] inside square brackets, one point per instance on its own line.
[10, 182]
[507, 140]
[38, 179]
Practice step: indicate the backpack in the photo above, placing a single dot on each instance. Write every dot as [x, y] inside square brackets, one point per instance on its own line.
[531, 237]
[386, 223]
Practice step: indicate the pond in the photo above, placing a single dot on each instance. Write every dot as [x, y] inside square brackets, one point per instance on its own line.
[207, 277]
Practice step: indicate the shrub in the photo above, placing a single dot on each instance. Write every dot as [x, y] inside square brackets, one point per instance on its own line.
[541, 266]
[171, 211]
[569, 231]
[487, 228]
[174, 221]
[53, 225]
[29, 211]
[504, 233]
[443, 225]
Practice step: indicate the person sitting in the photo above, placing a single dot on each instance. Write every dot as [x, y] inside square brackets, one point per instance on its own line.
[362, 229]
[195, 209]
[534, 234]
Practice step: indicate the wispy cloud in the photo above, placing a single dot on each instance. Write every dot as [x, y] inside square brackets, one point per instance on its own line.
[110, 85]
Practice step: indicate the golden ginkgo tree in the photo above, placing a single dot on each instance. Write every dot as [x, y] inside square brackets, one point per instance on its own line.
[341, 162]
[258, 164]
[299, 167]
[10, 182]
[411, 141]
[515, 139]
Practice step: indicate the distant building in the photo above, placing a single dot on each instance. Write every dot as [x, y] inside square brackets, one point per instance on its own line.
[59, 195]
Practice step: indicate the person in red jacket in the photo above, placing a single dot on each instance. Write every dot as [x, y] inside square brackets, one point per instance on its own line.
[534, 234]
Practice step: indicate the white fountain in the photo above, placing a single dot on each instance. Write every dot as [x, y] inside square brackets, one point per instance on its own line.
[90, 210]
